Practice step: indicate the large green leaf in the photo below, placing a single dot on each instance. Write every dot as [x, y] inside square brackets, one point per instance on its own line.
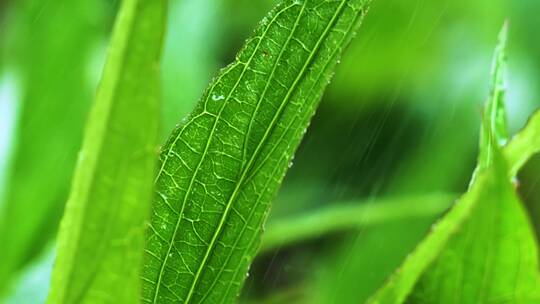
[221, 167]
[101, 240]
[484, 249]
[45, 47]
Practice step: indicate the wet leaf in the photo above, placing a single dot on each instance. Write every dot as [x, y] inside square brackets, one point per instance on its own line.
[101, 240]
[220, 168]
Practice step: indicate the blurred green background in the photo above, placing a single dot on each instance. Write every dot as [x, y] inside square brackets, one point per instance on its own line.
[400, 119]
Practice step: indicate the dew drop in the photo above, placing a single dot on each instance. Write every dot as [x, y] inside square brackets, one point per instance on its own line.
[217, 98]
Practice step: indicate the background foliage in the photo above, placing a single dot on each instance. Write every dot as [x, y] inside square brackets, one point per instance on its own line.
[401, 118]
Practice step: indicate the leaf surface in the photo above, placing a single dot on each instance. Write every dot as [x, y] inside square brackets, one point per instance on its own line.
[221, 167]
[101, 241]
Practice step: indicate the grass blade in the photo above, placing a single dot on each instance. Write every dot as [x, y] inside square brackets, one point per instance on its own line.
[102, 233]
[220, 169]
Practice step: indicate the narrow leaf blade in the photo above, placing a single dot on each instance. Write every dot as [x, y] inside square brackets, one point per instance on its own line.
[102, 233]
[220, 169]
[341, 217]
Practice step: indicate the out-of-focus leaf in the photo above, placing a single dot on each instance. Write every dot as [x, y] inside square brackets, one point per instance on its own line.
[221, 167]
[523, 145]
[101, 241]
[46, 46]
[288, 231]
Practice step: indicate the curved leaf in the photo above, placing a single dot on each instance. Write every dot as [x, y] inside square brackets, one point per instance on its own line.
[220, 168]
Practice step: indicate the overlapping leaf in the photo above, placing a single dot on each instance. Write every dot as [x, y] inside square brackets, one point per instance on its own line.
[220, 168]
[101, 241]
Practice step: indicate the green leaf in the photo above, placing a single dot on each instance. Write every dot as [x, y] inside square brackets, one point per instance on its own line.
[45, 47]
[101, 240]
[484, 250]
[523, 145]
[286, 232]
[221, 168]
[494, 128]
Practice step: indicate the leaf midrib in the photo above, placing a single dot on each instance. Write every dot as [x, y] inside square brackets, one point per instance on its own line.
[336, 51]
[247, 138]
